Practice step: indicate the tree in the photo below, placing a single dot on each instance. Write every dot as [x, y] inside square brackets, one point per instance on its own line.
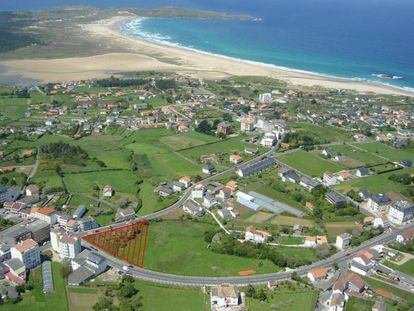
[227, 117]
[20, 289]
[261, 295]
[65, 270]
[58, 170]
[250, 291]
[104, 303]
[204, 127]
[221, 135]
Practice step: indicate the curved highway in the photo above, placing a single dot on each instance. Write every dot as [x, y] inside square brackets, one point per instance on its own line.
[171, 279]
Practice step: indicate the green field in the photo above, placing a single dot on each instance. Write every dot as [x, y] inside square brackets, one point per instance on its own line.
[13, 108]
[288, 240]
[336, 228]
[364, 305]
[178, 247]
[123, 182]
[162, 298]
[407, 268]
[325, 133]
[187, 140]
[150, 201]
[282, 220]
[269, 184]
[388, 152]
[228, 146]
[284, 298]
[364, 156]
[310, 163]
[409, 297]
[156, 162]
[36, 300]
[374, 183]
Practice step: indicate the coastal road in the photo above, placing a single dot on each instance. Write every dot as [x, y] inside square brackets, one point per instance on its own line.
[180, 280]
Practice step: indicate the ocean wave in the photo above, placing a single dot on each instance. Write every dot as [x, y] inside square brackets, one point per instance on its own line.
[134, 29]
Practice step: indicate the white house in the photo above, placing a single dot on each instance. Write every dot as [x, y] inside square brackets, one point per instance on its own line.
[209, 200]
[405, 236]
[381, 221]
[107, 191]
[327, 152]
[401, 212]
[268, 140]
[343, 240]
[224, 296]
[208, 169]
[193, 208]
[198, 191]
[47, 214]
[32, 190]
[65, 244]
[226, 213]
[317, 274]
[235, 159]
[178, 186]
[186, 180]
[28, 252]
[256, 236]
[329, 179]
[361, 172]
[247, 125]
[362, 262]
[378, 202]
[225, 194]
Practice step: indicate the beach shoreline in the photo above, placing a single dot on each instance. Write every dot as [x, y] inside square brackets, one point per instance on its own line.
[145, 55]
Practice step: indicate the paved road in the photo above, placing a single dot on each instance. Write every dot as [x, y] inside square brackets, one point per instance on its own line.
[164, 278]
[187, 193]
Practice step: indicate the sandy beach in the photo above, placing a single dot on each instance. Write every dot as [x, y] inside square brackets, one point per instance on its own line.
[143, 55]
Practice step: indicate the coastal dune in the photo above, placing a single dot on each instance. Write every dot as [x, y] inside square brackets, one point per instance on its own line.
[143, 55]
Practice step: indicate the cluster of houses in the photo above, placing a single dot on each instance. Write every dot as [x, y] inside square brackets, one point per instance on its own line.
[291, 175]
[21, 244]
[397, 212]
[272, 131]
[169, 188]
[208, 196]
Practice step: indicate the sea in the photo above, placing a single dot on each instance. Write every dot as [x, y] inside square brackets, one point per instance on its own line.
[362, 40]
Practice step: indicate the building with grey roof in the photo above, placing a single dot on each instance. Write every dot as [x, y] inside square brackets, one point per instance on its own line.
[47, 277]
[256, 167]
[335, 199]
[79, 212]
[9, 194]
[86, 266]
[274, 206]
[40, 231]
[309, 183]
[193, 208]
[289, 175]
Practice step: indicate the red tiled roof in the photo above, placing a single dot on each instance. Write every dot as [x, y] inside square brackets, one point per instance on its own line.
[26, 245]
